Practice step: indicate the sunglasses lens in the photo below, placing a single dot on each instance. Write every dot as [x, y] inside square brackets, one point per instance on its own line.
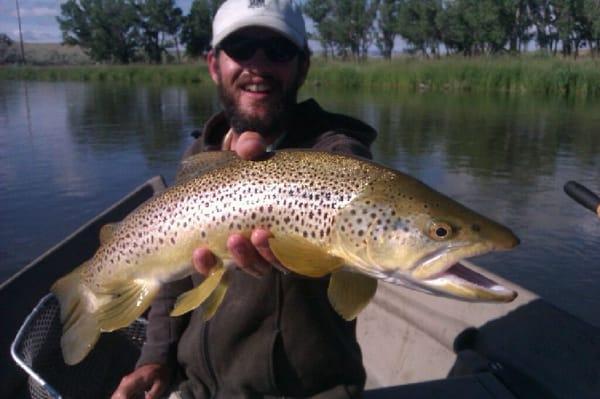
[280, 50]
[276, 49]
[239, 49]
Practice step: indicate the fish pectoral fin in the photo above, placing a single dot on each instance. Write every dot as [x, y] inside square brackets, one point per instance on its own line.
[126, 303]
[193, 298]
[304, 257]
[350, 292]
[107, 232]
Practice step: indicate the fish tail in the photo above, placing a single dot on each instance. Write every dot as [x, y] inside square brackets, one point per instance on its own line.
[80, 327]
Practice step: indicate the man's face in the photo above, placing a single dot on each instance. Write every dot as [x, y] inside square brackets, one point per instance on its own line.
[256, 91]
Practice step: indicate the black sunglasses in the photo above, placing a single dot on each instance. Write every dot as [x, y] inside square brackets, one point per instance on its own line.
[242, 48]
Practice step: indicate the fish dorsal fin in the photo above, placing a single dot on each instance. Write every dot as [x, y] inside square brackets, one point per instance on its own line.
[107, 232]
[303, 257]
[130, 302]
[193, 298]
[350, 292]
[201, 163]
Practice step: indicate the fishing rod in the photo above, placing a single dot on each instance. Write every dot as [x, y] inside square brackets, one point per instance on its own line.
[583, 195]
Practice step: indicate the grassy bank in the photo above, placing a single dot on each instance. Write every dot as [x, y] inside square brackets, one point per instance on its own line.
[545, 76]
[527, 75]
[114, 73]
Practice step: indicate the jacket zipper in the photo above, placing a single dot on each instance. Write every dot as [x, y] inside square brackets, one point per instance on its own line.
[278, 310]
[207, 360]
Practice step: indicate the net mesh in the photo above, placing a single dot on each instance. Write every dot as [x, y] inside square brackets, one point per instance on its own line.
[96, 376]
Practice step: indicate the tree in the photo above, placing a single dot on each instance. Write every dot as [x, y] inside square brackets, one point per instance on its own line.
[473, 26]
[157, 18]
[351, 26]
[542, 17]
[515, 16]
[5, 40]
[417, 23]
[454, 29]
[196, 32]
[568, 23]
[591, 21]
[319, 11]
[387, 24]
[105, 29]
[5, 46]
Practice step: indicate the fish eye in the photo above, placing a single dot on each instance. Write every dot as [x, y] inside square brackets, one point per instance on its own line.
[440, 231]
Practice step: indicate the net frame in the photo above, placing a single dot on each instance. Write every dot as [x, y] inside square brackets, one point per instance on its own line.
[36, 349]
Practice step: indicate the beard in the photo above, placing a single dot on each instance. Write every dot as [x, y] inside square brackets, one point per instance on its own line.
[268, 123]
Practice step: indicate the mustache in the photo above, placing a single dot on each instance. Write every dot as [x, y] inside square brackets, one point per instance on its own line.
[247, 78]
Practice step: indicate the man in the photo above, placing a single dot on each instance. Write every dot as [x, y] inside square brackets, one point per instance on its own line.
[275, 333]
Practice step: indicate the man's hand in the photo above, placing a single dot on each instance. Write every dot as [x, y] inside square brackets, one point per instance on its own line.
[252, 255]
[148, 381]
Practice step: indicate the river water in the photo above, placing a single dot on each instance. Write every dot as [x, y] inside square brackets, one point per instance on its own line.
[69, 149]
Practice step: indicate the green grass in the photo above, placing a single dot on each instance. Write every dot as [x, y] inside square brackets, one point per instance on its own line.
[546, 76]
[187, 73]
[526, 75]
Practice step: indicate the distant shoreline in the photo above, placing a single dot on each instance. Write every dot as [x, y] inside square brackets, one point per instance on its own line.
[518, 75]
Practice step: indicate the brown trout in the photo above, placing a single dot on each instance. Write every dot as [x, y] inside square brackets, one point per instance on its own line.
[328, 214]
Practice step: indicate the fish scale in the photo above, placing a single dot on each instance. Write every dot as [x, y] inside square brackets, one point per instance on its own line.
[327, 214]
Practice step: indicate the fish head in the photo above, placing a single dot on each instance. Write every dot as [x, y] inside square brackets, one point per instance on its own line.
[402, 231]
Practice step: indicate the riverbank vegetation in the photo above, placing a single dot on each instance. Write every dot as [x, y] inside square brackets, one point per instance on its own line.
[151, 31]
[545, 76]
[508, 46]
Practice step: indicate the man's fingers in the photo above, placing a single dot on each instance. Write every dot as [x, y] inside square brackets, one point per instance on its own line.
[246, 256]
[260, 240]
[131, 386]
[250, 145]
[157, 389]
[203, 260]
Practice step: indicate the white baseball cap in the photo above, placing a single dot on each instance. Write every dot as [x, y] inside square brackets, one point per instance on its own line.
[282, 16]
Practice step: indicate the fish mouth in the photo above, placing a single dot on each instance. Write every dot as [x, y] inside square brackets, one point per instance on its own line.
[459, 282]
[437, 262]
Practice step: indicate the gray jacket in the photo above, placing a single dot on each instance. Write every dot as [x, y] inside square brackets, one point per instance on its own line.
[274, 336]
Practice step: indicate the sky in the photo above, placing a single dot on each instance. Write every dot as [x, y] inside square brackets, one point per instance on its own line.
[38, 19]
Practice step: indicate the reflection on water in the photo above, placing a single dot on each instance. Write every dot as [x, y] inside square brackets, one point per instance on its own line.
[68, 150]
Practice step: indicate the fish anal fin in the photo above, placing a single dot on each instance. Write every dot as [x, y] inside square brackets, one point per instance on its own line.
[201, 163]
[127, 304]
[107, 232]
[303, 257]
[212, 303]
[193, 298]
[350, 292]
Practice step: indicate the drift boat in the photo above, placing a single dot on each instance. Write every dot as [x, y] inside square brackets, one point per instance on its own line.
[414, 345]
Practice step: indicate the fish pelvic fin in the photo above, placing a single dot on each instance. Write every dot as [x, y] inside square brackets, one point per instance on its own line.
[349, 293]
[303, 257]
[125, 303]
[80, 327]
[212, 303]
[195, 297]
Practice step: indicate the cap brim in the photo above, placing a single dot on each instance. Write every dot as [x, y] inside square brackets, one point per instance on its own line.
[267, 22]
